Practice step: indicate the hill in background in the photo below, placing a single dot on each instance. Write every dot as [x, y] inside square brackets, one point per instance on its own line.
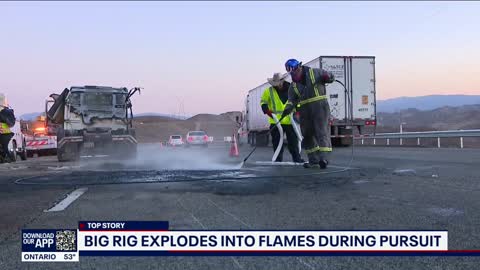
[426, 102]
[444, 118]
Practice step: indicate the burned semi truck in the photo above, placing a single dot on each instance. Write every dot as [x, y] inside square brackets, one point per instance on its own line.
[92, 121]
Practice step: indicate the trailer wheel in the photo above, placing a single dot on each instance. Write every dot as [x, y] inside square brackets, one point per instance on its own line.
[69, 152]
[61, 155]
[13, 154]
[346, 141]
[23, 154]
[336, 142]
[253, 139]
[262, 138]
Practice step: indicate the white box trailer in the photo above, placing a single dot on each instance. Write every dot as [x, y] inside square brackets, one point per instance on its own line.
[351, 106]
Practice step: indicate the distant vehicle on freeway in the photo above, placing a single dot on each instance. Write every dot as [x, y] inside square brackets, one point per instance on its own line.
[197, 138]
[175, 140]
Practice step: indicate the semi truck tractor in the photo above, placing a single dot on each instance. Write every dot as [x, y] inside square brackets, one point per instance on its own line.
[93, 121]
[351, 107]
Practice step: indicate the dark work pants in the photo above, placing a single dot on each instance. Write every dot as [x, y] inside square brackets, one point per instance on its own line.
[292, 141]
[316, 132]
[4, 140]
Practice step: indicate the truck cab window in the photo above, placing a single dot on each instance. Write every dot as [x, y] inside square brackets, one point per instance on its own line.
[74, 99]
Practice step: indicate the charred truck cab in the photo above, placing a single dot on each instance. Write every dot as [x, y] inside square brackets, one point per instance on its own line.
[93, 120]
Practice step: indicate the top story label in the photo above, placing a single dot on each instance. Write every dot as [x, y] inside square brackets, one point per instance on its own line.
[123, 225]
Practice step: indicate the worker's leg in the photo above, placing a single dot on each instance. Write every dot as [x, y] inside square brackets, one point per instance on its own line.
[308, 143]
[4, 140]
[322, 133]
[4, 145]
[275, 141]
[292, 140]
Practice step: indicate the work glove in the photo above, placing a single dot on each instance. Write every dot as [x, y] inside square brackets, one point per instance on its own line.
[327, 77]
[269, 113]
[288, 110]
[297, 116]
[266, 110]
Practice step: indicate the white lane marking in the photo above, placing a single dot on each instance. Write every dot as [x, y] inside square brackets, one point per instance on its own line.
[237, 263]
[305, 263]
[205, 228]
[191, 214]
[250, 227]
[230, 214]
[94, 156]
[68, 200]
[342, 167]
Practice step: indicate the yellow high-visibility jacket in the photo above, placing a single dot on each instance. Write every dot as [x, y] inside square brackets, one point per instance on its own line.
[4, 128]
[275, 104]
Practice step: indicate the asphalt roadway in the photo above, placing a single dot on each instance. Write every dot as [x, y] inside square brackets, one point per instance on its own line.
[202, 188]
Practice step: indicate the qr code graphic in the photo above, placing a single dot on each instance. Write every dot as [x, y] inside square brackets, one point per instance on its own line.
[66, 240]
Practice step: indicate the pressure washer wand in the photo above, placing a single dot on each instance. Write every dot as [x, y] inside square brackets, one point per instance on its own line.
[255, 148]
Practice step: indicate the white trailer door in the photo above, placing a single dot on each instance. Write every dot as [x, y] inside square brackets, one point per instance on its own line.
[255, 117]
[363, 87]
[335, 91]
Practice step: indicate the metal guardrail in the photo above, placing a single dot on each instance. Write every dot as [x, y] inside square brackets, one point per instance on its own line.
[422, 134]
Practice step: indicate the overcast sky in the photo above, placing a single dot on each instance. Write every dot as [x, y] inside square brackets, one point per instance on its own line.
[207, 55]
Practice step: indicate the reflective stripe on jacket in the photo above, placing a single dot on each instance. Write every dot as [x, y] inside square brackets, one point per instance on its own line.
[4, 128]
[316, 96]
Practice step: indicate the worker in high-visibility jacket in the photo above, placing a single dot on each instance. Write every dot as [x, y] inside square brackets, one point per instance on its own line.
[273, 101]
[308, 90]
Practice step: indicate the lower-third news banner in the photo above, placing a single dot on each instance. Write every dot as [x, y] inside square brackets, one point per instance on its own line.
[153, 238]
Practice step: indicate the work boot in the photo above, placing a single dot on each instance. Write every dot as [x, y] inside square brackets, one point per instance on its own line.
[308, 165]
[323, 164]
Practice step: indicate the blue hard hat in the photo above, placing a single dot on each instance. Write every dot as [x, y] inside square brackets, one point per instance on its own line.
[292, 64]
